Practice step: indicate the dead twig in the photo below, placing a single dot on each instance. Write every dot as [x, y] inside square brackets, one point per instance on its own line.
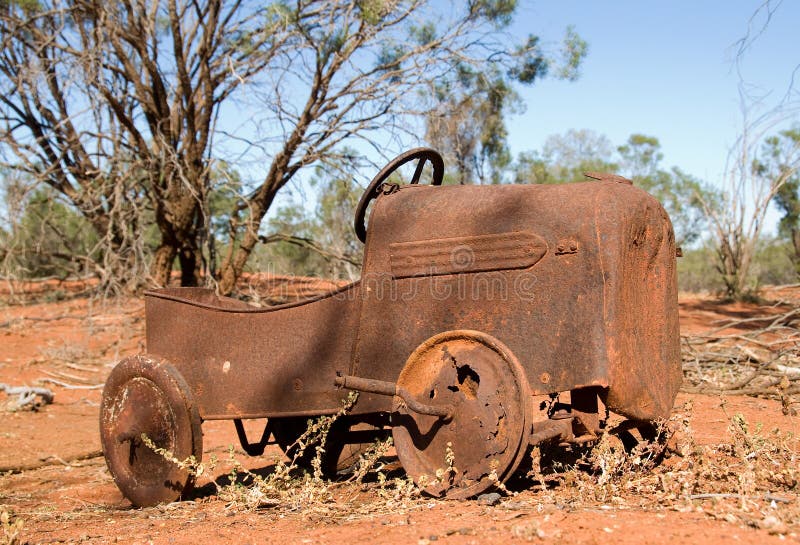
[69, 386]
[68, 376]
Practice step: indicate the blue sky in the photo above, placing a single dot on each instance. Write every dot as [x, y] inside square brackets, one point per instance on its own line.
[663, 69]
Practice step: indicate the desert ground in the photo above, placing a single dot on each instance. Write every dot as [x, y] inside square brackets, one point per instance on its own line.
[729, 472]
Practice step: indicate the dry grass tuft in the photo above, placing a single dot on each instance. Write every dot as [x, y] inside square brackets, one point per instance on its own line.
[11, 528]
[288, 488]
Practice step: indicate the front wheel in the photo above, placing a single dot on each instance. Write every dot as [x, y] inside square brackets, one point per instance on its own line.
[484, 386]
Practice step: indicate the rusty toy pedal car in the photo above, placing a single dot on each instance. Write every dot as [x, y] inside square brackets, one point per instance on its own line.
[472, 300]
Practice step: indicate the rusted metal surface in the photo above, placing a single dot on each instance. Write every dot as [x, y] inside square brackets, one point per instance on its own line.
[472, 299]
[388, 388]
[584, 409]
[146, 397]
[465, 255]
[483, 443]
[602, 311]
[547, 430]
[245, 362]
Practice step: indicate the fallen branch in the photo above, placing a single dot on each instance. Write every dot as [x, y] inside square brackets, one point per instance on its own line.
[774, 322]
[28, 395]
[756, 362]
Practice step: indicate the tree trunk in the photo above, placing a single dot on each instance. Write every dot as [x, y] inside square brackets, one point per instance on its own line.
[730, 269]
[175, 217]
[164, 258]
[234, 265]
[237, 256]
[190, 266]
[162, 264]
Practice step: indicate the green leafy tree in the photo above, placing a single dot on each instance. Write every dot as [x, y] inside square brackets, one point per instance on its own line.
[321, 241]
[565, 157]
[467, 115]
[48, 239]
[467, 124]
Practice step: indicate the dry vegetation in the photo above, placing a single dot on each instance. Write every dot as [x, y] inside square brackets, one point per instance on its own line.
[741, 479]
[12, 527]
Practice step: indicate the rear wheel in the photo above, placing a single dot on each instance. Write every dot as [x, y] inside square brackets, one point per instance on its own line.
[144, 398]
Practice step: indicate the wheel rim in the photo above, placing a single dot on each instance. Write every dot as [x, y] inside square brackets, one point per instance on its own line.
[484, 384]
[143, 397]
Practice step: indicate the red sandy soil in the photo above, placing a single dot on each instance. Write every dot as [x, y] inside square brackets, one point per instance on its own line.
[53, 478]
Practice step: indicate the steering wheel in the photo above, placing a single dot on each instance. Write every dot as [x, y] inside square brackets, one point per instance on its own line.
[376, 185]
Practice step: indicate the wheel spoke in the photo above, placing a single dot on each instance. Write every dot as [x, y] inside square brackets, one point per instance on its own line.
[418, 170]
